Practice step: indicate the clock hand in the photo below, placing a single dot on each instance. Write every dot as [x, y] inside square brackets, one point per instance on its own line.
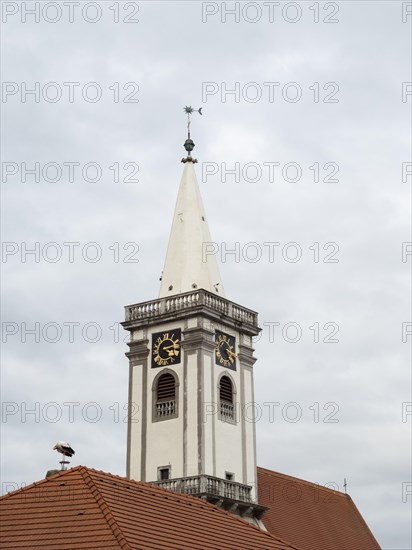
[226, 350]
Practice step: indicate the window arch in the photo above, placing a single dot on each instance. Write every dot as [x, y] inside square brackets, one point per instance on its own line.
[165, 395]
[227, 393]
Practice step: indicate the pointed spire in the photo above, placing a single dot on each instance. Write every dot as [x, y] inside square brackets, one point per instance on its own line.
[188, 264]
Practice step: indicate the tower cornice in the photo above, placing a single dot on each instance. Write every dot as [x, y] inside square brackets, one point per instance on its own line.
[139, 350]
[246, 355]
[198, 338]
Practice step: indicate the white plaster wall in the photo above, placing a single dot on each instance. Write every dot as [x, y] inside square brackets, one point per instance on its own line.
[228, 437]
[136, 427]
[208, 418]
[165, 447]
[229, 449]
[250, 428]
[192, 322]
[192, 415]
[164, 439]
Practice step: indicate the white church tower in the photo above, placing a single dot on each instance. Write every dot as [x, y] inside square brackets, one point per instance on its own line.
[191, 372]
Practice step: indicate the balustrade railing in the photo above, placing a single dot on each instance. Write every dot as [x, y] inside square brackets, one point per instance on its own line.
[208, 485]
[180, 302]
[165, 408]
[227, 411]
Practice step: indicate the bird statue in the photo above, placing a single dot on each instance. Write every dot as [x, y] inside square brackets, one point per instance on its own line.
[64, 448]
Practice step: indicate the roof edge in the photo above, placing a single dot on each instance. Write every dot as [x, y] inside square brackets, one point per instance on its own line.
[101, 503]
[362, 520]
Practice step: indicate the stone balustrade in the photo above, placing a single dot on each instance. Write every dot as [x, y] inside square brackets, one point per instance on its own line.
[165, 408]
[227, 411]
[181, 302]
[207, 485]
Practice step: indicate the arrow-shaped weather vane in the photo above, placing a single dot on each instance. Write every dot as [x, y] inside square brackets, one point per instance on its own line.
[189, 111]
[189, 145]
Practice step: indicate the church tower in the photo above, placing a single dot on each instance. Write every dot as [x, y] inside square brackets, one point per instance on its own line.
[191, 371]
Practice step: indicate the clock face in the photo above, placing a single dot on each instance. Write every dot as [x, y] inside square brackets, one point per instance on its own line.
[166, 348]
[225, 346]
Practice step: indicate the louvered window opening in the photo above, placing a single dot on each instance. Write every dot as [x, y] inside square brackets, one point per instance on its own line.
[227, 409]
[166, 396]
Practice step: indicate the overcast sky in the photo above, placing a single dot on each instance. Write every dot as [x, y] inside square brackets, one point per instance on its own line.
[318, 91]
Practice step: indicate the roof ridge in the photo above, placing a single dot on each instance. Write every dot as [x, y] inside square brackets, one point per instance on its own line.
[112, 523]
[300, 480]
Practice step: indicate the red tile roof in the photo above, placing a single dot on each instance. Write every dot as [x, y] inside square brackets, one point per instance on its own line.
[83, 508]
[311, 516]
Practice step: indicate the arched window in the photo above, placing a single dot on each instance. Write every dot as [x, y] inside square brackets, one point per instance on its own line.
[165, 396]
[226, 399]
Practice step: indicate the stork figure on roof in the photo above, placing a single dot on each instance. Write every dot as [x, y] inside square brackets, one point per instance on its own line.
[65, 449]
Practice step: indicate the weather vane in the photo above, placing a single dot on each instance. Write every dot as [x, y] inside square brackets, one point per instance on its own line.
[189, 111]
[189, 144]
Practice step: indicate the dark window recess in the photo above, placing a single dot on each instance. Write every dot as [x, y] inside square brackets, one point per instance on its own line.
[227, 409]
[226, 390]
[164, 473]
[166, 387]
